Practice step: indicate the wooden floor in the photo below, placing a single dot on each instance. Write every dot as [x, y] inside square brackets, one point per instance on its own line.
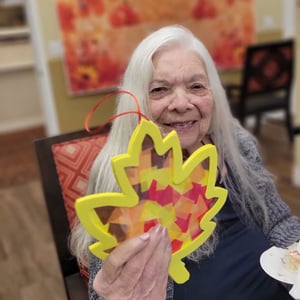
[277, 153]
[29, 268]
[28, 264]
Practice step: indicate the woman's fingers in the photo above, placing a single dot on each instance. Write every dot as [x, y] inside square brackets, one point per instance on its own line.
[113, 265]
[154, 278]
[137, 268]
[133, 270]
[123, 253]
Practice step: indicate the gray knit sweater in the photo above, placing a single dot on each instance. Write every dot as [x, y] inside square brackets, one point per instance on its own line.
[282, 229]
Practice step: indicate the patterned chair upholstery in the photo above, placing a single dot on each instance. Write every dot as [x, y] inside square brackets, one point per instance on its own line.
[64, 162]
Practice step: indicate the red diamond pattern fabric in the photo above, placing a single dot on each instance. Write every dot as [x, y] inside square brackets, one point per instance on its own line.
[73, 160]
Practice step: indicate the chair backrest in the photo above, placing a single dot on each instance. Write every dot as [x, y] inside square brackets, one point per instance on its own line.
[267, 79]
[64, 162]
[268, 67]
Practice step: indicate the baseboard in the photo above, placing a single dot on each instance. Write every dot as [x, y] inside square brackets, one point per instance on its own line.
[21, 124]
[296, 176]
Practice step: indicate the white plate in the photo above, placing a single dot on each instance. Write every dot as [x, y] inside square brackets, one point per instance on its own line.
[271, 262]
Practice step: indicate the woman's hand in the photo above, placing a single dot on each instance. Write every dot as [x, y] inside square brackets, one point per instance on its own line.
[137, 269]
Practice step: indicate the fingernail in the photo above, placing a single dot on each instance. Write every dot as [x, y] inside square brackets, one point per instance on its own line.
[165, 232]
[145, 236]
[158, 228]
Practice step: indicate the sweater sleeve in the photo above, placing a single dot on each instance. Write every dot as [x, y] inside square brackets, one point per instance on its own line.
[95, 265]
[282, 228]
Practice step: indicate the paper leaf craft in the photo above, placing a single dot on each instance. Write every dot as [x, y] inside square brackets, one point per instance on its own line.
[156, 187]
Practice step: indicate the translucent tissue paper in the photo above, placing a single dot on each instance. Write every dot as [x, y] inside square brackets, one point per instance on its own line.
[156, 187]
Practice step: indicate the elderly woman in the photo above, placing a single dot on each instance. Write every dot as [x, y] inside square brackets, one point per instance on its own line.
[175, 79]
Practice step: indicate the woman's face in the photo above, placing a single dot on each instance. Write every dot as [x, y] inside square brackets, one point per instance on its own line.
[179, 96]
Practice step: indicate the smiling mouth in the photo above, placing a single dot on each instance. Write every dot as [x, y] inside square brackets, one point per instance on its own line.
[181, 125]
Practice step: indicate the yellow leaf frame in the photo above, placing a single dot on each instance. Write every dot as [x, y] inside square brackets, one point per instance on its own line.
[85, 206]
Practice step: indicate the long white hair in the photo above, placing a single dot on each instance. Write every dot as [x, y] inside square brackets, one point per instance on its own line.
[136, 80]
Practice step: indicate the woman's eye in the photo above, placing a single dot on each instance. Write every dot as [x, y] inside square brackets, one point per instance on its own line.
[198, 86]
[157, 90]
[200, 89]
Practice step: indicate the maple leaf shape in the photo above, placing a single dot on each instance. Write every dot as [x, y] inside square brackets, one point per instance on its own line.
[157, 187]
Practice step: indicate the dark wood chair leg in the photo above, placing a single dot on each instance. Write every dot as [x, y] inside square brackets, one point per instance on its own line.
[257, 124]
[296, 130]
[288, 122]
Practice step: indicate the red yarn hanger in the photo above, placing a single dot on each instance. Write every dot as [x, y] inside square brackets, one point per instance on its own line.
[105, 98]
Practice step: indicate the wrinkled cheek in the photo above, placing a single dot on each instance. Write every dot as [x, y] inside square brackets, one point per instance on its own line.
[206, 107]
[205, 124]
[155, 110]
[206, 114]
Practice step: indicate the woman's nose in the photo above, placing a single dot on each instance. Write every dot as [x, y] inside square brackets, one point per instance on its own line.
[179, 101]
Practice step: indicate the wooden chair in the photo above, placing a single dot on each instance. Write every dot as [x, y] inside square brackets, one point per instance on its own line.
[266, 82]
[64, 162]
[296, 130]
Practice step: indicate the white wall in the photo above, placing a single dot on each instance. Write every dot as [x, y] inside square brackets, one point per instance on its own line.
[268, 14]
[25, 100]
[20, 97]
[35, 22]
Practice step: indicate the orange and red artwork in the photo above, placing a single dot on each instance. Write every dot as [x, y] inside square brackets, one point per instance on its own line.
[99, 36]
[157, 187]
